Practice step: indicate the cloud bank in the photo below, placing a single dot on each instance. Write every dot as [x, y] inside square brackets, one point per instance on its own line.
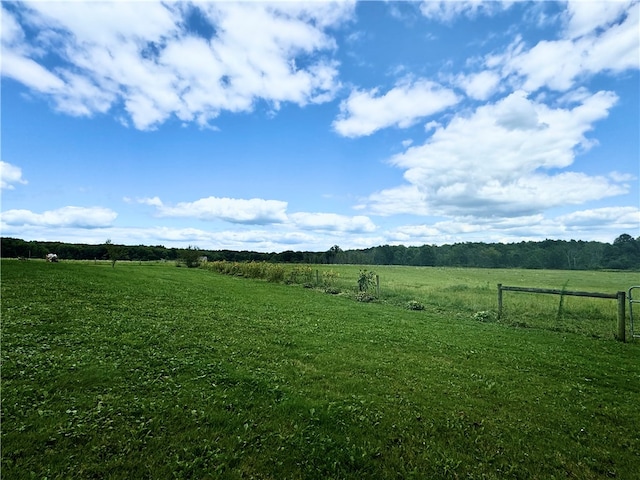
[154, 61]
[501, 161]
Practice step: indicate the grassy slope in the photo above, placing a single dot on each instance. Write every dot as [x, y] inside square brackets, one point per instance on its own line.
[159, 372]
[460, 292]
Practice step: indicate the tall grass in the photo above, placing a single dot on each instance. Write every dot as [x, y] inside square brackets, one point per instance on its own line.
[468, 292]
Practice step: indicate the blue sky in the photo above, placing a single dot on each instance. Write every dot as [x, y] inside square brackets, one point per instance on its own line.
[289, 126]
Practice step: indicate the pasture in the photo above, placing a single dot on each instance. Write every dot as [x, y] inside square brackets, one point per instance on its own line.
[153, 371]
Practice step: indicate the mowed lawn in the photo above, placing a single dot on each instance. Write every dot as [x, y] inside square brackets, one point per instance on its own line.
[153, 371]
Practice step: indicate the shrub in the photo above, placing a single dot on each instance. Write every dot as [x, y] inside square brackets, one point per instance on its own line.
[189, 257]
[301, 274]
[254, 269]
[366, 280]
[365, 297]
[414, 305]
[332, 290]
[329, 277]
[483, 316]
[275, 273]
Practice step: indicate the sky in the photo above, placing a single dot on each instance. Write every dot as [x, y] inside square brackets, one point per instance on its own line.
[299, 126]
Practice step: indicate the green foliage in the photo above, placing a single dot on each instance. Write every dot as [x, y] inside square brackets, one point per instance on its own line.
[366, 280]
[484, 316]
[623, 253]
[414, 305]
[365, 297]
[190, 257]
[329, 277]
[114, 252]
[262, 270]
[301, 274]
[275, 273]
[151, 371]
[333, 254]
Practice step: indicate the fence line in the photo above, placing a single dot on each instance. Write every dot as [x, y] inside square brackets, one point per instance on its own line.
[620, 296]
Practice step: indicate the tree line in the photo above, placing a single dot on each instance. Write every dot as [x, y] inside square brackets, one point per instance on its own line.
[623, 254]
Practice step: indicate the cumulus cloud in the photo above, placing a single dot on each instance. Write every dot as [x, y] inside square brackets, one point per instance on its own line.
[623, 218]
[148, 59]
[10, 175]
[479, 85]
[257, 211]
[332, 222]
[600, 37]
[501, 160]
[80, 217]
[583, 18]
[234, 210]
[600, 224]
[366, 112]
[448, 10]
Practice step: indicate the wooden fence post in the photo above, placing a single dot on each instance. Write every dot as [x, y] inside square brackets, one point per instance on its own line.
[317, 277]
[499, 301]
[378, 286]
[622, 333]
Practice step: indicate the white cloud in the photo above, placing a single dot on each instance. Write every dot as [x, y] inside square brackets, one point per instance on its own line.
[10, 175]
[30, 73]
[583, 18]
[501, 161]
[140, 56]
[234, 210]
[598, 39]
[624, 218]
[154, 202]
[601, 224]
[332, 222]
[81, 217]
[448, 10]
[480, 85]
[257, 211]
[621, 177]
[366, 112]
[11, 32]
[397, 200]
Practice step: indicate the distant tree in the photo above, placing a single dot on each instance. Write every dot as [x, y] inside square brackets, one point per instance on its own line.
[332, 254]
[383, 255]
[623, 254]
[190, 256]
[114, 252]
[622, 239]
[426, 256]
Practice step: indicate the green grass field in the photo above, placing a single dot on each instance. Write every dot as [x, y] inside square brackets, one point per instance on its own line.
[153, 371]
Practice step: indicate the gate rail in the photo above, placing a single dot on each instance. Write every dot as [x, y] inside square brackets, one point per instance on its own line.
[620, 296]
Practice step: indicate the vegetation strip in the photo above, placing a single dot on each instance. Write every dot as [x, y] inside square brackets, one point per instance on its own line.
[622, 254]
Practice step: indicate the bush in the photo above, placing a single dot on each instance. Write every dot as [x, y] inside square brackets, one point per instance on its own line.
[274, 273]
[366, 280]
[365, 297]
[190, 257]
[483, 316]
[301, 274]
[329, 277]
[414, 305]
